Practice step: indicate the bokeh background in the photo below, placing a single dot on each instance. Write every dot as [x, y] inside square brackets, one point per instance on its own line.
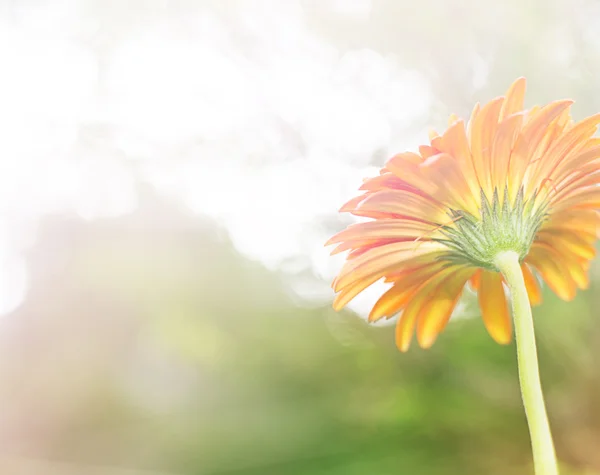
[169, 172]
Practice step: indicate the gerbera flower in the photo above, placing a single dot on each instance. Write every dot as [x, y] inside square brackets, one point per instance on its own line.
[511, 180]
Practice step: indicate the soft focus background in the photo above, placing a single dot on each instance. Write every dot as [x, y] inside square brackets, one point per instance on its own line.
[169, 172]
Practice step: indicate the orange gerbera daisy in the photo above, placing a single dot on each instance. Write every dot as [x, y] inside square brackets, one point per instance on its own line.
[524, 181]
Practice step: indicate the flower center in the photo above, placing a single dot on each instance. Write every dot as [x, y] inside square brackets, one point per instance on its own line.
[502, 226]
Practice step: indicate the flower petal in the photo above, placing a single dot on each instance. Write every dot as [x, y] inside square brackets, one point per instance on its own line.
[383, 259]
[403, 203]
[531, 284]
[514, 98]
[384, 229]
[494, 308]
[553, 272]
[475, 280]
[398, 295]
[567, 243]
[504, 140]
[434, 316]
[530, 138]
[405, 326]
[483, 130]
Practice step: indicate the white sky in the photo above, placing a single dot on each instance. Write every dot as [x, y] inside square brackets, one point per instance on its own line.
[237, 108]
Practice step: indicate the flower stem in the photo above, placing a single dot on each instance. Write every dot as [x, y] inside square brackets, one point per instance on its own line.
[544, 457]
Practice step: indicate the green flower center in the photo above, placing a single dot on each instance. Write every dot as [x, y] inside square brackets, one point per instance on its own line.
[502, 226]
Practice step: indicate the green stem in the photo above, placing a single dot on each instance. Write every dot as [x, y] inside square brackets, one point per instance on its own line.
[544, 458]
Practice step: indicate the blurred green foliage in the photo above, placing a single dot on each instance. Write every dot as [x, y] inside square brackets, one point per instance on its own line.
[151, 343]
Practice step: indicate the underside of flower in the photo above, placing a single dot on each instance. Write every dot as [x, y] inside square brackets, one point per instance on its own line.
[501, 226]
[523, 181]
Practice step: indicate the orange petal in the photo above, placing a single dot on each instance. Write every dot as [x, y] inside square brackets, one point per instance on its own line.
[585, 198]
[349, 286]
[530, 138]
[514, 98]
[504, 140]
[494, 308]
[580, 221]
[398, 295]
[353, 203]
[427, 151]
[406, 167]
[532, 285]
[387, 181]
[575, 266]
[405, 326]
[553, 272]
[567, 243]
[474, 114]
[584, 157]
[353, 279]
[569, 143]
[403, 203]
[351, 291]
[456, 192]
[383, 260]
[582, 178]
[434, 316]
[483, 130]
[384, 229]
[359, 247]
[475, 280]
[455, 143]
